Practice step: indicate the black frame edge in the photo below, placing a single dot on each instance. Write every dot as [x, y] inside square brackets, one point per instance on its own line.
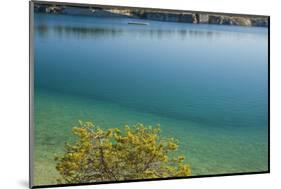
[30, 175]
[149, 180]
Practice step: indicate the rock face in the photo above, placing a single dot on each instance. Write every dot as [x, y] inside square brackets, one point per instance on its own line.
[233, 20]
[215, 19]
[259, 22]
[242, 21]
[155, 16]
[48, 9]
[77, 11]
[158, 15]
[187, 18]
[172, 17]
[165, 16]
[203, 18]
[229, 20]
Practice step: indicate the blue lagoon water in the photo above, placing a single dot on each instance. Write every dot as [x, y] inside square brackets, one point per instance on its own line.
[204, 84]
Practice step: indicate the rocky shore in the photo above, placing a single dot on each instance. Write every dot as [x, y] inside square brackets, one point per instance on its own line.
[158, 15]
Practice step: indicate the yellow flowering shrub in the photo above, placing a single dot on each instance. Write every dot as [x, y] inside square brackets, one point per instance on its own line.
[137, 152]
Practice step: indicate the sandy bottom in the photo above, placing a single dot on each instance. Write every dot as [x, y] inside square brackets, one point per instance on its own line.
[208, 149]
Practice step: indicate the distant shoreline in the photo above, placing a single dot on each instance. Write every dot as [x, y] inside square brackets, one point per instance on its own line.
[157, 15]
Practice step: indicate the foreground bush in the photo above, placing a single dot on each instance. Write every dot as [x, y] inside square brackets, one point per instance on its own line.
[137, 152]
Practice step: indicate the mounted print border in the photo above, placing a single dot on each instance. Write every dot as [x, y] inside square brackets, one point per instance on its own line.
[92, 141]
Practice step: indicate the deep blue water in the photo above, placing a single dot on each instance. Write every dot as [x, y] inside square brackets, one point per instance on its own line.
[210, 75]
[214, 74]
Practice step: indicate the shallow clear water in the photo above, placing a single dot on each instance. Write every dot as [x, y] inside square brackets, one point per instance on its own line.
[205, 85]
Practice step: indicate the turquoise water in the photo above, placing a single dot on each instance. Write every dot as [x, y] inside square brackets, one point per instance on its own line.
[205, 85]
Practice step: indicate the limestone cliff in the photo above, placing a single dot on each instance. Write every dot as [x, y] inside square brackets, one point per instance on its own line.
[158, 15]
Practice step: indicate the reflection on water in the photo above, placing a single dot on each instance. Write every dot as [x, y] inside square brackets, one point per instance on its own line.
[86, 32]
[42, 30]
